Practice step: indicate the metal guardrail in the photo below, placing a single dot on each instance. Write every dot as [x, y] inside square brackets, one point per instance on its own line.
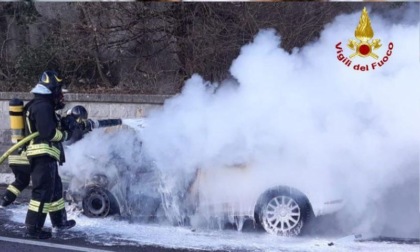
[106, 98]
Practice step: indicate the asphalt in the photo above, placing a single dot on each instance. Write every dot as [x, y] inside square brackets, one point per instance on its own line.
[11, 235]
[12, 239]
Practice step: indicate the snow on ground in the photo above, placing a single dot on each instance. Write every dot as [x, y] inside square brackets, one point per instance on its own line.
[110, 231]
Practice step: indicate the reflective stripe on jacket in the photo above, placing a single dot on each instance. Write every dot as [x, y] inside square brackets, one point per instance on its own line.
[18, 159]
[42, 149]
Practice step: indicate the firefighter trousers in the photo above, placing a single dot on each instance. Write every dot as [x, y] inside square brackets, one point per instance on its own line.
[47, 194]
[22, 178]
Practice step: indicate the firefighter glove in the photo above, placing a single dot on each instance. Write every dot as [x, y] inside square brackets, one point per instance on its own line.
[87, 125]
[69, 123]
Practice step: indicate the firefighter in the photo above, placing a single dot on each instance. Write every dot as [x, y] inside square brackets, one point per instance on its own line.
[43, 153]
[19, 163]
[80, 115]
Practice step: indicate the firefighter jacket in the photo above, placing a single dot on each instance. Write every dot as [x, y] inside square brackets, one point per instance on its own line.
[41, 117]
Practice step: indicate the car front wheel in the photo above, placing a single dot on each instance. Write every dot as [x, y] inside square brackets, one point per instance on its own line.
[98, 202]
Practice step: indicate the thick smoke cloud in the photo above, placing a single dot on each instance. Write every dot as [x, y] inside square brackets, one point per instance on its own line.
[304, 118]
[305, 113]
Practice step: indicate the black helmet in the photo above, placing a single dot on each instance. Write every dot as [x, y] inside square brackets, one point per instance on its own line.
[78, 112]
[50, 79]
[50, 83]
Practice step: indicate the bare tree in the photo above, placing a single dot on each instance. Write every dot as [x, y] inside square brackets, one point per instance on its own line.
[146, 47]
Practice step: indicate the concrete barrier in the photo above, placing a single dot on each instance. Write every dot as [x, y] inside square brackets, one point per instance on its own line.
[99, 106]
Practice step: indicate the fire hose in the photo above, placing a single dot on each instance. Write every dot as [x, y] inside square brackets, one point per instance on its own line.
[93, 124]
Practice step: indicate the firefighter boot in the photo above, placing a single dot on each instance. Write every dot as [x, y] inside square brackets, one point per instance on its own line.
[59, 220]
[33, 232]
[7, 199]
[34, 223]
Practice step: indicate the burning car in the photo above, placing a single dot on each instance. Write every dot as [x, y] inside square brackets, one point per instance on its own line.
[239, 192]
[281, 204]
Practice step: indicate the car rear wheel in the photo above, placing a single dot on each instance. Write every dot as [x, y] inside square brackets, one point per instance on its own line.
[282, 213]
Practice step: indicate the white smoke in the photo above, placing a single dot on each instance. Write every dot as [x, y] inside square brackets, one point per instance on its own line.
[303, 113]
[108, 152]
[303, 117]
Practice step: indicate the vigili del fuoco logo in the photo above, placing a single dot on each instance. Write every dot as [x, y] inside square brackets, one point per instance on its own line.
[364, 46]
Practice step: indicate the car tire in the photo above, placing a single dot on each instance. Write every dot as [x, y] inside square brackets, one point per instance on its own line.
[283, 211]
[98, 202]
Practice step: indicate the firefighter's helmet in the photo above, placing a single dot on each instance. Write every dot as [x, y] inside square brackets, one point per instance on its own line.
[78, 112]
[50, 84]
